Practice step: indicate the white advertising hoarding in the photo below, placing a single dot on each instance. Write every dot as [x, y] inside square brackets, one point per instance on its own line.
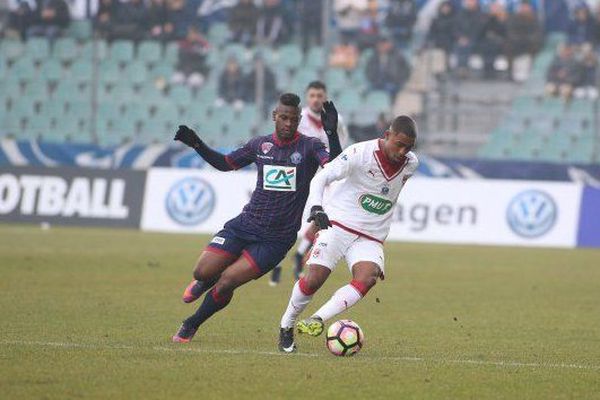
[487, 212]
[429, 210]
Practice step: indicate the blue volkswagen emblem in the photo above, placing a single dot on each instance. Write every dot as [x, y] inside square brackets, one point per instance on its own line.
[531, 213]
[190, 201]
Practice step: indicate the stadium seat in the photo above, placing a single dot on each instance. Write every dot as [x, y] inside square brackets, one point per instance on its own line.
[149, 51]
[109, 72]
[36, 90]
[81, 71]
[11, 50]
[336, 79]
[171, 53]
[80, 29]
[37, 49]
[23, 69]
[162, 70]
[51, 70]
[71, 91]
[315, 58]
[121, 51]
[94, 50]
[218, 34]
[65, 50]
[290, 56]
[136, 73]
[378, 101]
[180, 95]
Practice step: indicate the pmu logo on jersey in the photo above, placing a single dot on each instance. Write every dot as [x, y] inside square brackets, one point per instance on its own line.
[531, 213]
[374, 204]
[190, 201]
[279, 178]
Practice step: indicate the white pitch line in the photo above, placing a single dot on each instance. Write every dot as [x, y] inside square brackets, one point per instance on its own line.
[505, 364]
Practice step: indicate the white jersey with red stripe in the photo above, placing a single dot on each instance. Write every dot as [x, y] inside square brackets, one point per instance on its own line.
[364, 200]
[310, 125]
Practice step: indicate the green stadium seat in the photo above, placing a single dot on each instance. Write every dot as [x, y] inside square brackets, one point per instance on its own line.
[94, 50]
[349, 101]
[315, 58]
[80, 29]
[290, 55]
[53, 110]
[379, 101]
[12, 50]
[81, 71]
[108, 111]
[121, 51]
[180, 95]
[51, 70]
[23, 69]
[218, 34]
[65, 50]
[137, 112]
[171, 53]
[336, 79]
[162, 70]
[79, 110]
[136, 73]
[70, 91]
[149, 52]
[36, 90]
[12, 88]
[150, 95]
[247, 118]
[109, 72]
[37, 49]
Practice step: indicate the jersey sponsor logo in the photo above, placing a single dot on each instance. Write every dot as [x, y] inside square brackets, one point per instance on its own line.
[218, 240]
[279, 178]
[374, 204]
[266, 147]
[296, 158]
[531, 213]
[190, 201]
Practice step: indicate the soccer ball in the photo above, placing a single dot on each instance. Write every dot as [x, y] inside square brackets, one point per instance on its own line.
[345, 338]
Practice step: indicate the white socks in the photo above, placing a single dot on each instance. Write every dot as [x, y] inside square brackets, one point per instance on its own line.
[297, 304]
[344, 298]
[303, 245]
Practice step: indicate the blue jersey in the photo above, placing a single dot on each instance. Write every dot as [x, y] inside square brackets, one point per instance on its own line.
[284, 172]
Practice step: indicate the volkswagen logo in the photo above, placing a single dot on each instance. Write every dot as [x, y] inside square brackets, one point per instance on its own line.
[531, 213]
[190, 201]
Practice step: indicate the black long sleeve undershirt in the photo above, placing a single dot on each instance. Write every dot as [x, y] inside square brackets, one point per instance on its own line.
[335, 148]
[214, 158]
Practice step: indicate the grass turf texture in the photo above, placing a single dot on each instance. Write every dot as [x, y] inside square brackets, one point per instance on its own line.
[88, 313]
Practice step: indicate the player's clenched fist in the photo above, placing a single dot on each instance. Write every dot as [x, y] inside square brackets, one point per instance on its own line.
[187, 136]
[318, 215]
[329, 118]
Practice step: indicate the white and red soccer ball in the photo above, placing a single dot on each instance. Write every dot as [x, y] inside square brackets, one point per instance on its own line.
[344, 338]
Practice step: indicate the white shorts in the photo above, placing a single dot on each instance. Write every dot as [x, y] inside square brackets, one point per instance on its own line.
[333, 243]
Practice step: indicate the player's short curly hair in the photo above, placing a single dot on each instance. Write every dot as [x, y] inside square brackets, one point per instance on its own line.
[289, 99]
[406, 125]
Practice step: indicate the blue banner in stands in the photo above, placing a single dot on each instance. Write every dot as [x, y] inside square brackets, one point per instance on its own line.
[141, 157]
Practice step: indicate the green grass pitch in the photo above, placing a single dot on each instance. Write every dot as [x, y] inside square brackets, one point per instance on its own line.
[88, 313]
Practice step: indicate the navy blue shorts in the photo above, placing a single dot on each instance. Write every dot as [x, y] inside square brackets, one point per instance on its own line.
[262, 254]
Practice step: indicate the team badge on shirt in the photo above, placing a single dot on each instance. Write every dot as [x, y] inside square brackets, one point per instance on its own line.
[385, 190]
[266, 147]
[296, 158]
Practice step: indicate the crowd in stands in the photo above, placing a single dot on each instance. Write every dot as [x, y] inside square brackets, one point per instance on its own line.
[462, 32]
[574, 70]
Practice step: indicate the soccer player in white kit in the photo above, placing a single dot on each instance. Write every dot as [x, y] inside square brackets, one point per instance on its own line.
[311, 125]
[354, 223]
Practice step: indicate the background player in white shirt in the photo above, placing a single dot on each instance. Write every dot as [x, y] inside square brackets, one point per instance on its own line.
[354, 221]
[311, 125]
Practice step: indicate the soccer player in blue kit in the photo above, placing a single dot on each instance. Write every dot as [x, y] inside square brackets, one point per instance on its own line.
[254, 242]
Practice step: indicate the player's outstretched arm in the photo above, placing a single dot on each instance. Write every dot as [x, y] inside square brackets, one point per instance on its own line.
[188, 137]
[329, 119]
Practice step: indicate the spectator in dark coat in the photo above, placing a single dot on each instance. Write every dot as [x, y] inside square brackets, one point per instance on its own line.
[105, 18]
[191, 65]
[524, 33]
[468, 24]
[181, 17]
[387, 69]
[564, 73]
[160, 26]
[582, 28]
[493, 38]
[442, 32]
[20, 17]
[130, 21]
[271, 27]
[243, 18]
[311, 22]
[269, 83]
[400, 20]
[51, 18]
[232, 86]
